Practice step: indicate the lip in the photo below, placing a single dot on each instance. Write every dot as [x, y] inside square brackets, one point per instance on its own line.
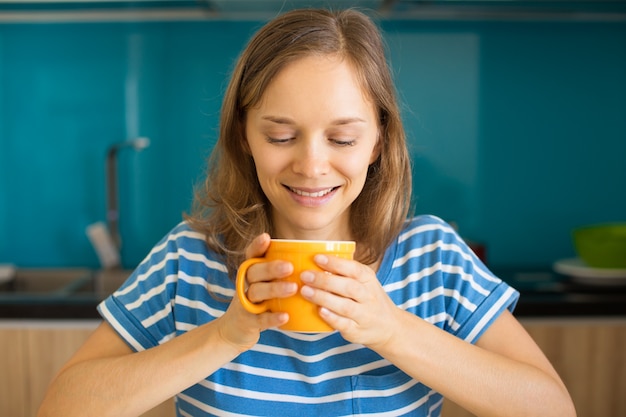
[312, 197]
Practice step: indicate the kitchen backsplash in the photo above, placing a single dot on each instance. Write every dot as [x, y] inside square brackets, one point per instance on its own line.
[517, 129]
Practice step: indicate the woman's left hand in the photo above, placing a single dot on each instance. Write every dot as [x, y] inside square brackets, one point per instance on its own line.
[351, 300]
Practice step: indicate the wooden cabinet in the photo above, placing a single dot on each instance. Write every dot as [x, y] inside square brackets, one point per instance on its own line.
[590, 357]
[31, 353]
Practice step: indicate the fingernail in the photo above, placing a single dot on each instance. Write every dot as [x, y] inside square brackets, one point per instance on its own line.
[283, 317]
[307, 276]
[307, 291]
[284, 268]
[321, 259]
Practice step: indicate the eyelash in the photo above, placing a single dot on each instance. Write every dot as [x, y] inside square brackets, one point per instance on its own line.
[340, 143]
[277, 141]
[343, 143]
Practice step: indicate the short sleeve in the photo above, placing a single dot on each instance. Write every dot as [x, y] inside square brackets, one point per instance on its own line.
[435, 275]
[169, 292]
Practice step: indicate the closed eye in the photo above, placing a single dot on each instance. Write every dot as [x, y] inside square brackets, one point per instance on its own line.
[278, 141]
[342, 143]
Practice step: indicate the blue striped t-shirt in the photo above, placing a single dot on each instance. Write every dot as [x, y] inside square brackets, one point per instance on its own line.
[428, 271]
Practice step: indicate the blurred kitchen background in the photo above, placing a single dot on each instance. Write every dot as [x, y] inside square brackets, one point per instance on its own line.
[515, 111]
[516, 117]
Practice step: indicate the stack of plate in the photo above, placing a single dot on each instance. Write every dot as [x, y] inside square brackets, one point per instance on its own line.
[580, 272]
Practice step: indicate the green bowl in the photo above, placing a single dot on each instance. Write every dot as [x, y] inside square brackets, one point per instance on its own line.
[602, 245]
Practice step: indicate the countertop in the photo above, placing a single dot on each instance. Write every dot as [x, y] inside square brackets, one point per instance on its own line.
[542, 294]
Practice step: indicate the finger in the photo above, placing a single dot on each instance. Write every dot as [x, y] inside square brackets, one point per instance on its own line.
[267, 271]
[342, 267]
[339, 304]
[340, 285]
[258, 246]
[260, 321]
[334, 320]
[267, 290]
[268, 320]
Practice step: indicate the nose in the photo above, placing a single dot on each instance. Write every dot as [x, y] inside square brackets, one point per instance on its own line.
[311, 158]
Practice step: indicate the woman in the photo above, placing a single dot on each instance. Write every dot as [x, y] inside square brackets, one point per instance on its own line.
[311, 146]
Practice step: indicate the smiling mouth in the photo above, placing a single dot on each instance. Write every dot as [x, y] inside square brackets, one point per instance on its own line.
[314, 194]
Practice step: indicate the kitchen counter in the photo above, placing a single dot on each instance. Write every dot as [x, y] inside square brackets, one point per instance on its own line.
[58, 293]
[542, 294]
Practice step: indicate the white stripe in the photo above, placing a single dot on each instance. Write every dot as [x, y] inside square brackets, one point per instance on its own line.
[180, 325]
[147, 274]
[417, 252]
[400, 411]
[273, 350]
[207, 408]
[293, 376]
[307, 337]
[414, 277]
[215, 289]
[190, 233]
[184, 413]
[200, 257]
[490, 313]
[120, 329]
[159, 315]
[425, 228]
[451, 247]
[151, 293]
[300, 399]
[167, 338]
[181, 253]
[441, 317]
[438, 292]
[198, 305]
[202, 282]
[458, 270]
[445, 246]
[450, 269]
[330, 398]
[435, 405]
[266, 396]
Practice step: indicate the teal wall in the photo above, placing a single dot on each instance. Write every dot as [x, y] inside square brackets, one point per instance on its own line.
[518, 129]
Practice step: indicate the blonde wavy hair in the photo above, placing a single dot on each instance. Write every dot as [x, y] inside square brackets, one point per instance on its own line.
[230, 207]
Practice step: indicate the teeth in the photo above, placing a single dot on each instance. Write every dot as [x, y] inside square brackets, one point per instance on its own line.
[315, 194]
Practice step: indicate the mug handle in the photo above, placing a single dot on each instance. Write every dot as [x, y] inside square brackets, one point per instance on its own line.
[240, 288]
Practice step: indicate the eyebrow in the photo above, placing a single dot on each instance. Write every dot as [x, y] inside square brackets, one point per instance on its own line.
[288, 121]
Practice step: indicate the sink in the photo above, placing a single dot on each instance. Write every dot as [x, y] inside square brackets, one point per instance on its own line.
[48, 281]
[60, 285]
[106, 281]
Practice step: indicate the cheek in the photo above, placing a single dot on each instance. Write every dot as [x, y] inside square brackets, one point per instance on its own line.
[262, 169]
[267, 167]
[354, 167]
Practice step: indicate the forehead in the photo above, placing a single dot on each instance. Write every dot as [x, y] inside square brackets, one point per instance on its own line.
[322, 80]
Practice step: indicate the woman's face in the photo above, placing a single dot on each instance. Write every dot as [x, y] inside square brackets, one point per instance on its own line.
[313, 136]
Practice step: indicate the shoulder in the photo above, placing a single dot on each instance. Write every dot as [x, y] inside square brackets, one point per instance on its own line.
[431, 241]
[182, 245]
[426, 228]
[182, 236]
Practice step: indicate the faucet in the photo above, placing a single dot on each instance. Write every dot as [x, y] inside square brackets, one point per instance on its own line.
[112, 213]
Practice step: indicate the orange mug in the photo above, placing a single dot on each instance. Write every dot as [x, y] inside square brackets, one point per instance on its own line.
[303, 314]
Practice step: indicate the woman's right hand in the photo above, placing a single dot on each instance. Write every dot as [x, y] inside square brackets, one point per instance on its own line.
[242, 329]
